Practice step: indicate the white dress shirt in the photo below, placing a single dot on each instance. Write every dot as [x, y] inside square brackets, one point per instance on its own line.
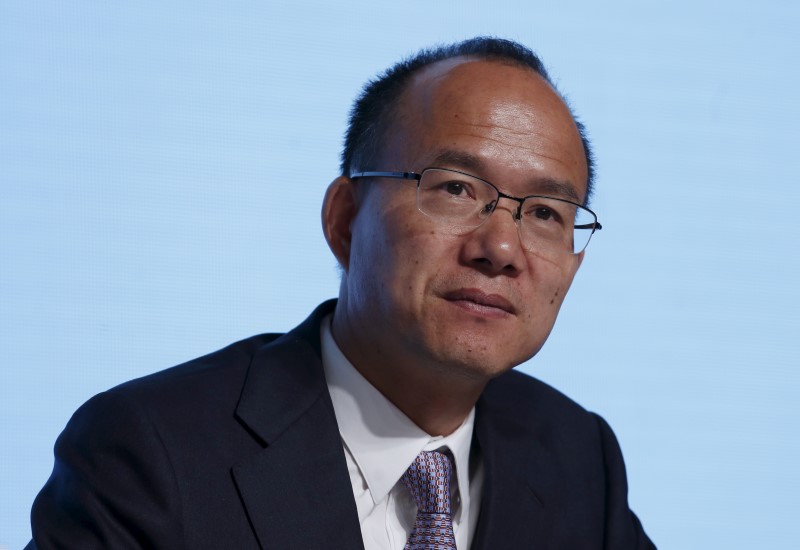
[380, 443]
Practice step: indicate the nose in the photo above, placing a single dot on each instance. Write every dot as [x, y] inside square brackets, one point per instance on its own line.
[494, 247]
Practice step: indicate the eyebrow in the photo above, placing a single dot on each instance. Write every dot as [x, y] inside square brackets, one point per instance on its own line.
[459, 159]
[472, 164]
[558, 189]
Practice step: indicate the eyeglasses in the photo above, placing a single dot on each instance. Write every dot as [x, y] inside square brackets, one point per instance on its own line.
[465, 202]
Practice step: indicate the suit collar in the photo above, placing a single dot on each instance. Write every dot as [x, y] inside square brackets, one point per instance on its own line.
[284, 379]
[295, 488]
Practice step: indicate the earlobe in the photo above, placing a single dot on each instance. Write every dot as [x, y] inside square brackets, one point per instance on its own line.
[338, 211]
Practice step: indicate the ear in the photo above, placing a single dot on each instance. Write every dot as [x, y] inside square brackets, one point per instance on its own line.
[338, 211]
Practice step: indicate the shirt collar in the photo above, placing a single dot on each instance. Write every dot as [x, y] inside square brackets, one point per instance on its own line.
[383, 441]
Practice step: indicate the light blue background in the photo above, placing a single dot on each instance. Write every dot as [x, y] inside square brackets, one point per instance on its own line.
[162, 166]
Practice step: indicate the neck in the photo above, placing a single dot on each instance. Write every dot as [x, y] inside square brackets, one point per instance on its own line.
[436, 398]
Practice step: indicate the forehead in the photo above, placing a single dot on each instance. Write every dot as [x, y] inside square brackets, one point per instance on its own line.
[506, 116]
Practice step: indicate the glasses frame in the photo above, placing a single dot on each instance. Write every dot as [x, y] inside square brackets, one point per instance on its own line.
[596, 226]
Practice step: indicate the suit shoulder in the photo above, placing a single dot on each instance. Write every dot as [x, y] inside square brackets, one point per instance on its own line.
[524, 394]
[135, 447]
[179, 407]
[575, 460]
[226, 364]
[209, 383]
[527, 401]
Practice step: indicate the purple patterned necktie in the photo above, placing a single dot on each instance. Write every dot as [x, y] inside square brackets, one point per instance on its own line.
[428, 479]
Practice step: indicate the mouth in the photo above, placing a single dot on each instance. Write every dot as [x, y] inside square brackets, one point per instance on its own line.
[480, 302]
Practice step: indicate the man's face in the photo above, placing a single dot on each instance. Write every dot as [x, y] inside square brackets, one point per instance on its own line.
[474, 302]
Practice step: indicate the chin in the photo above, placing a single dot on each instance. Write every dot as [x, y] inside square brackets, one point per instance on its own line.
[480, 361]
[477, 348]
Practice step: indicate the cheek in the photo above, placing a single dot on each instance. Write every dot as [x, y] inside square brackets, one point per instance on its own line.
[550, 279]
[419, 254]
[558, 279]
[391, 256]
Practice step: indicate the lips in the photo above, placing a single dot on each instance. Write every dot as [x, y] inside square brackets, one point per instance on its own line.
[480, 298]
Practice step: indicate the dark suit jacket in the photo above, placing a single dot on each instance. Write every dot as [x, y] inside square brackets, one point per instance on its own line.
[240, 449]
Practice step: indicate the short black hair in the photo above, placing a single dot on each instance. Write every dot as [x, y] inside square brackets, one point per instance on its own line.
[372, 111]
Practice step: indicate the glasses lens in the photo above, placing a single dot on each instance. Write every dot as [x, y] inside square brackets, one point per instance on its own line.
[455, 198]
[585, 226]
[555, 225]
[464, 202]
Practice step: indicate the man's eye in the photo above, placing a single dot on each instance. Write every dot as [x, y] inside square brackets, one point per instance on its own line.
[455, 188]
[544, 214]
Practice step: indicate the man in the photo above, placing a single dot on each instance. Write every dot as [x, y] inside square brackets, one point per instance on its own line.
[390, 418]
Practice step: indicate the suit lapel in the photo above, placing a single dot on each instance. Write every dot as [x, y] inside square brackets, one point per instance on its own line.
[513, 506]
[296, 490]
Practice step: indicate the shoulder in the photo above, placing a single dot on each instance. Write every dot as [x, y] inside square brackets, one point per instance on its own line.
[169, 401]
[137, 462]
[215, 377]
[568, 455]
[522, 396]
[176, 409]
[538, 414]
[218, 377]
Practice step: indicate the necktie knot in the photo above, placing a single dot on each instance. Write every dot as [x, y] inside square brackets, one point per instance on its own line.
[428, 481]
